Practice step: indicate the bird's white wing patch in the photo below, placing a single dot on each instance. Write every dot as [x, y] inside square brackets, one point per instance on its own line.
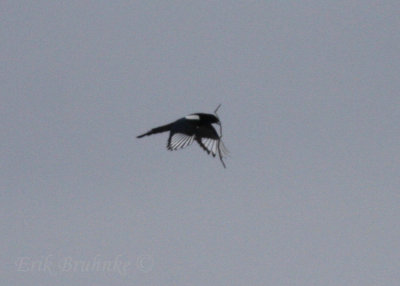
[210, 144]
[192, 117]
[179, 140]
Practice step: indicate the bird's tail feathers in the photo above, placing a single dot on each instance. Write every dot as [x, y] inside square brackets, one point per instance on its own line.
[156, 130]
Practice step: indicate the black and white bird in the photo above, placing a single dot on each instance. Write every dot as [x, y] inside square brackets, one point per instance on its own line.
[194, 127]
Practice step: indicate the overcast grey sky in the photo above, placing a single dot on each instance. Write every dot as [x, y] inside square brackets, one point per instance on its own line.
[310, 110]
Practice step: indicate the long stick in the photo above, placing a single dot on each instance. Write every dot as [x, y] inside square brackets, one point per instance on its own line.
[220, 137]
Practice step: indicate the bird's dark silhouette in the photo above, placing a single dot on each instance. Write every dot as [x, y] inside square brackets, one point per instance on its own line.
[194, 127]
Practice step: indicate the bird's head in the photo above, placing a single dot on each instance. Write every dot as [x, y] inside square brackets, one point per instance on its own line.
[214, 119]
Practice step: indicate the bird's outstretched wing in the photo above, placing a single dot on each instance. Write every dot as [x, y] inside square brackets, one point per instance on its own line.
[208, 138]
[211, 142]
[182, 134]
[179, 140]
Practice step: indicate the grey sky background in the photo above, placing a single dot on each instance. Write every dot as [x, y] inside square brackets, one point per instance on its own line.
[310, 111]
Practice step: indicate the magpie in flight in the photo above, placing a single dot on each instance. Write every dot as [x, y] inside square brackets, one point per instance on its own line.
[194, 127]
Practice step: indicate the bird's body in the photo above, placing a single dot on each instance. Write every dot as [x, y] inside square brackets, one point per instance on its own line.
[194, 127]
